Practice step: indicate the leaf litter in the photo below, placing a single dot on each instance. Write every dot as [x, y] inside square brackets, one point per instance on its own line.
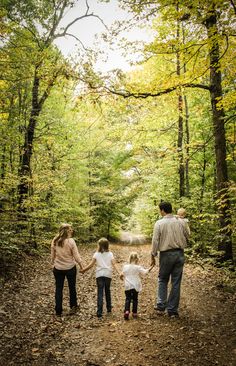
[30, 335]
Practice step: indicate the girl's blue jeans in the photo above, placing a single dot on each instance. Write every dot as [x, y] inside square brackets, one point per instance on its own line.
[103, 285]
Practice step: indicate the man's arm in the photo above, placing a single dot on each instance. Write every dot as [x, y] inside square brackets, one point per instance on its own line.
[155, 243]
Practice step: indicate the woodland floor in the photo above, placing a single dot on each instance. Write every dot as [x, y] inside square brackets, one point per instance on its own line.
[204, 335]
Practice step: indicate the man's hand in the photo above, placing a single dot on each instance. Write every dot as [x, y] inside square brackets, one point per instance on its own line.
[153, 261]
[122, 276]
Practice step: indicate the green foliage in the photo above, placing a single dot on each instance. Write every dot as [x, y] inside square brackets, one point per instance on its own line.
[101, 162]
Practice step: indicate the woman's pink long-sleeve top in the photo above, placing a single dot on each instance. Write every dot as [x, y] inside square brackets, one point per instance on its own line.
[65, 257]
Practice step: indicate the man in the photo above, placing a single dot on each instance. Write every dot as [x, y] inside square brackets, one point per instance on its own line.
[169, 238]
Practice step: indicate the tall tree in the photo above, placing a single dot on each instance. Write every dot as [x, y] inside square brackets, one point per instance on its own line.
[218, 119]
[180, 113]
[42, 26]
[201, 14]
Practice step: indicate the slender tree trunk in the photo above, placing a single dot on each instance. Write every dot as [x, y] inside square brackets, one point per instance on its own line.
[108, 228]
[3, 164]
[180, 122]
[203, 175]
[90, 199]
[219, 135]
[187, 134]
[180, 147]
[3, 171]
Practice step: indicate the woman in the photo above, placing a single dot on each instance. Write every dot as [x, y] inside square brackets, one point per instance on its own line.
[64, 255]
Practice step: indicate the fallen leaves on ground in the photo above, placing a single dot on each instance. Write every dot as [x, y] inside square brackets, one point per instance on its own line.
[30, 335]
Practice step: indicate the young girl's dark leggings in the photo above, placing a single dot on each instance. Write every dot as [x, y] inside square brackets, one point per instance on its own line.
[131, 296]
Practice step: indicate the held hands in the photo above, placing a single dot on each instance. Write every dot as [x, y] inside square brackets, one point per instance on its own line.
[151, 267]
[122, 276]
[153, 262]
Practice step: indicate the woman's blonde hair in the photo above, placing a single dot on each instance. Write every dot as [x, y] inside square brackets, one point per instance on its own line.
[133, 258]
[103, 245]
[62, 235]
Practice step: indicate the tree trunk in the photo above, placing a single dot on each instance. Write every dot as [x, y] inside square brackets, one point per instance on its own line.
[25, 169]
[187, 135]
[180, 122]
[218, 117]
[187, 185]
[108, 228]
[3, 164]
[180, 147]
[203, 180]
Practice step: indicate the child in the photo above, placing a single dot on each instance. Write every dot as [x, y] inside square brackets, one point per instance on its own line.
[104, 260]
[131, 275]
[181, 213]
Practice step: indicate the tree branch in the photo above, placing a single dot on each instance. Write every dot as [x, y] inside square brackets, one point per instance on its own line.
[77, 39]
[127, 94]
[233, 5]
[62, 34]
[48, 89]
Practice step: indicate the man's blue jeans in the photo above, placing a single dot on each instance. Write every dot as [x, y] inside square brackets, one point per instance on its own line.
[171, 264]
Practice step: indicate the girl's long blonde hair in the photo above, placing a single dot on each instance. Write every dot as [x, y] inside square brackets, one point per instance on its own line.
[62, 235]
[103, 245]
[133, 258]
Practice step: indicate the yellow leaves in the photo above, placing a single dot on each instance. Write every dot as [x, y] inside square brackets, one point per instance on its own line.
[229, 101]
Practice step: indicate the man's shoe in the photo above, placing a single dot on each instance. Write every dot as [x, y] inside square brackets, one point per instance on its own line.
[126, 315]
[135, 315]
[159, 311]
[173, 315]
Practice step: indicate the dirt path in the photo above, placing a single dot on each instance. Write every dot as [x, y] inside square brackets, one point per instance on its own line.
[204, 335]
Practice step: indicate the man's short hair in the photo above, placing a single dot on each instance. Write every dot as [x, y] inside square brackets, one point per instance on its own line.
[166, 207]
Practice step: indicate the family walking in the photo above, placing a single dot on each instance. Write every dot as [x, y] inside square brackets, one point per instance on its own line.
[170, 237]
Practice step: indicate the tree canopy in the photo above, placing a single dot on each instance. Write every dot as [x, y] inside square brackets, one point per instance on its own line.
[101, 151]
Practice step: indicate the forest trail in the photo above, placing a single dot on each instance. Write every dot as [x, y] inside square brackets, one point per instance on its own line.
[29, 335]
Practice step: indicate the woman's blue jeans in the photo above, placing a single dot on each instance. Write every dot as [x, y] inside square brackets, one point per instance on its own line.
[171, 264]
[60, 276]
[103, 284]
